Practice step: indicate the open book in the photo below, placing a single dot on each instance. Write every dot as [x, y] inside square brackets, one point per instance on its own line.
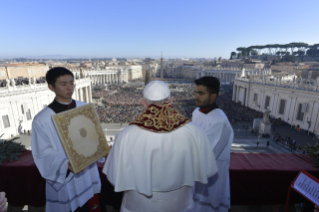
[308, 186]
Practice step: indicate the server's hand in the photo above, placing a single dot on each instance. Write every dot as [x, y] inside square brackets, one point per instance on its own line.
[3, 202]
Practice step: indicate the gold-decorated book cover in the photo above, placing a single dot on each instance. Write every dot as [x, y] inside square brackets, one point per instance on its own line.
[81, 135]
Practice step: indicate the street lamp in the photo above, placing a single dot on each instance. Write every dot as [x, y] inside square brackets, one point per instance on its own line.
[258, 140]
[309, 124]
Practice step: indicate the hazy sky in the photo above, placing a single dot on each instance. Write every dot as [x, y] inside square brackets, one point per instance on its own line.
[145, 28]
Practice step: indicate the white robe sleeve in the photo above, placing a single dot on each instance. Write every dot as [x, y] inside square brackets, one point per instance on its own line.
[219, 136]
[51, 162]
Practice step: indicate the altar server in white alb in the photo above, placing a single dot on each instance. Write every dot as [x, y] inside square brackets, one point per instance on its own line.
[65, 190]
[215, 195]
[159, 156]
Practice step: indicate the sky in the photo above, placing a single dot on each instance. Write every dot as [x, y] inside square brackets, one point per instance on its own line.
[145, 28]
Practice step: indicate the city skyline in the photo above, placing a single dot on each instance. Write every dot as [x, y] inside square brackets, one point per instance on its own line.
[139, 29]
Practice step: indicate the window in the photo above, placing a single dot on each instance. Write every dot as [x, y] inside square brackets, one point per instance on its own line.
[255, 98]
[2, 73]
[39, 71]
[267, 102]
[6, 122]
[28, 113]
[31, 71]
[300, 114]
[282, 107]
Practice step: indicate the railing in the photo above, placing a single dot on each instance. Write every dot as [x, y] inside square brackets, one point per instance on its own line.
[101, 72]
[19, 89]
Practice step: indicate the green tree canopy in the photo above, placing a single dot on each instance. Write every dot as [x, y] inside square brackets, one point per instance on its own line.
[232, 54]
[273, 49]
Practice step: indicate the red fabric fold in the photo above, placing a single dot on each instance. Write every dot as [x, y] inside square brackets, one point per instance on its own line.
[94, 204]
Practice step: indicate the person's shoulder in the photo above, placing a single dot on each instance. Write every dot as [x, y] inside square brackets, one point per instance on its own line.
[44, 115]
[193, 127]
[193, 130]
[196, 110]
[128, 130]
[218, 115]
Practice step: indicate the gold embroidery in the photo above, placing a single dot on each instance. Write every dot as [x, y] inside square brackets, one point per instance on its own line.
[83, 132]
[62, 123]
[160, 118]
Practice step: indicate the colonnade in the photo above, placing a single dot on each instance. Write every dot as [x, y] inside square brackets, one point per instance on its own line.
[223, 77]
[230, 75]
[108, 78]
[83, 93]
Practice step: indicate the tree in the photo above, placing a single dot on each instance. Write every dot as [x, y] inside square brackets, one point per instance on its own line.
[274, 61]
[147, 77]
[256, 49]
[285, 47]
[313, 50]
[239, 55]
[293, 46]
[288, 58]
[276, 47]
[232, 54]
[243, 51]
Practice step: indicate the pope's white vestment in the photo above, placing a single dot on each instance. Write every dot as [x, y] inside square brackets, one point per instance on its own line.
[63, 194]
[158, 170]
[215, 195]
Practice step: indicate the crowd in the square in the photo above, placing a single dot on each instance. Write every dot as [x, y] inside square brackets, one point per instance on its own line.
[123, 103]
[287, 142]
[20, 81]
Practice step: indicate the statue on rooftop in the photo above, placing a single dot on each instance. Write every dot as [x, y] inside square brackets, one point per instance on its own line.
[243, 74]
[266, 115]
[13, 83]
[7, 82]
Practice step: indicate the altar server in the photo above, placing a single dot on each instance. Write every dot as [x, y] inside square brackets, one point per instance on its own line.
[159, 156]
[65, 190]
[215, 195]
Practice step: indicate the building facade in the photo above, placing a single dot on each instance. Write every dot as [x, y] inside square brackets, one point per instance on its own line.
[224, 74]
[19, 104]
[296, 102]
[114, 74]
[227, 75]
[23, 71]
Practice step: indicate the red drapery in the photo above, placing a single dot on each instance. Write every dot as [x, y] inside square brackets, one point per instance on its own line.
[254, 179]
